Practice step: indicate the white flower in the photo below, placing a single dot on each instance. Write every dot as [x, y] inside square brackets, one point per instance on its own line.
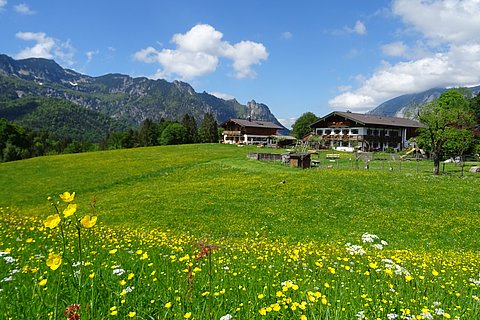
[392, 316]
[9, 259]
[9, 278]
[367, 237]
[355, 249]
[118, 271]
[439, 311]
[226, 317]
[426, 315]
[377, 246]
[129, 289]
[360, 315]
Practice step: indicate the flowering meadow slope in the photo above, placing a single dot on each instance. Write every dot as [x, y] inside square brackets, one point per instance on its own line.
[201, 232]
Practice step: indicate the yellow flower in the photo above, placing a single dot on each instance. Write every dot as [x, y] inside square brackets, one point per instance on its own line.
[303, 317]
[54, 261]
[435, 272]
[130, 276]
[188, 315]
[70, 210]
[88, 222]
[52, 221]
[262, 311]
[408, 278]
[114, 312]
[168, 305]
[113, 251]
[91, 275]
[42, 282]
[67, 197]
[29, 240]
[132, 314]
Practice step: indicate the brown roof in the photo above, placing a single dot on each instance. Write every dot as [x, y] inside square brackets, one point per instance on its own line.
[369, 119]
[254, 123]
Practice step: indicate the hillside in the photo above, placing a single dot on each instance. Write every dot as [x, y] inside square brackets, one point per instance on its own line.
[406, 105]
[115, 96]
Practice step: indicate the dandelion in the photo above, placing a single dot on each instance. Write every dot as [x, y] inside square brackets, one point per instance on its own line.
[88, 222]
[70, 210]
[67, 197]
[54, 261]
[52, 221]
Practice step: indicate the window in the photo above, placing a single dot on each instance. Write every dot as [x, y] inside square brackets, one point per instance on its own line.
[319, 131]
[369, 132]
[354, 131]
[345, 131]
[328, 131]
[375, 132]
[337, 131]
[393, 133]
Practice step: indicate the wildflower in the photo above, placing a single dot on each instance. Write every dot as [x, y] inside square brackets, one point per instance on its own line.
[303, 317]
[130, 276]
[72, 312]
[91, 275]
[70, 210]
[67, 197]
[392, 316]
[226, 317]
[42, 282]
[168, 305]
[9, 259]
[52, 221]
[435, 272]
[262, 311]
[360, 315]
[408, 278]
[132, 314]
[187, 315]
[118, 271]
[54, 261]
[113, 251]
[367, 237]
[88, 222]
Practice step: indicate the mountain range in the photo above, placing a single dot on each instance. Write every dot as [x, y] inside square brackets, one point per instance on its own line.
[405, 106]
[35, 91]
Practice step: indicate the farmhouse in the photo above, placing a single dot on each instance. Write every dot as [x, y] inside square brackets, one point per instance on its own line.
[248, 131]
[347, 131]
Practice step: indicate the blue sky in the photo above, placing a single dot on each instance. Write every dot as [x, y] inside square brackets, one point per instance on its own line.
[294, 56]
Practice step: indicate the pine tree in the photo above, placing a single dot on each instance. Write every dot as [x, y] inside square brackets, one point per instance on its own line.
[208, 131]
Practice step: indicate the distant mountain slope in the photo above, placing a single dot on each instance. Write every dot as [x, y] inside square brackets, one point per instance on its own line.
[406, 105]
[117, 96]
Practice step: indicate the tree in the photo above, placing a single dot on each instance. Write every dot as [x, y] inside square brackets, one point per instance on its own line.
[190, 124]
[174, 133]
[301, 127]
[443, 117]
[208, 131]
[148, 135]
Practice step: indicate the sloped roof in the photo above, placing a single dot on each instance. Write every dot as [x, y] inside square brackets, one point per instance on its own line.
[254, 123]
[370, 119]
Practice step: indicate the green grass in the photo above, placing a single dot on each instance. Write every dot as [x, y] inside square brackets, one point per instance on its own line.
[214, 190]
[202, 232]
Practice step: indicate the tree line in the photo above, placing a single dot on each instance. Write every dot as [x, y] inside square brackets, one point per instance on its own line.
[17, 142]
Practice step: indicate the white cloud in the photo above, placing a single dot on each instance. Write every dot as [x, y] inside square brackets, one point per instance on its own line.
[288, 123]
[359, 28]
[395, 49]
[3, 3]
[45, 47]
[447, 54]
[90, 54]
[23, 8]
[221, 95]
[198, 52]
[446, 21]
[287, 35]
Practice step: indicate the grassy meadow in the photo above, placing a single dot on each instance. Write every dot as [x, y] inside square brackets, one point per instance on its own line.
[203, 232]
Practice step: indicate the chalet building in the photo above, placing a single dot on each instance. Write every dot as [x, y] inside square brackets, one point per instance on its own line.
[347, 131]
[247, 131]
